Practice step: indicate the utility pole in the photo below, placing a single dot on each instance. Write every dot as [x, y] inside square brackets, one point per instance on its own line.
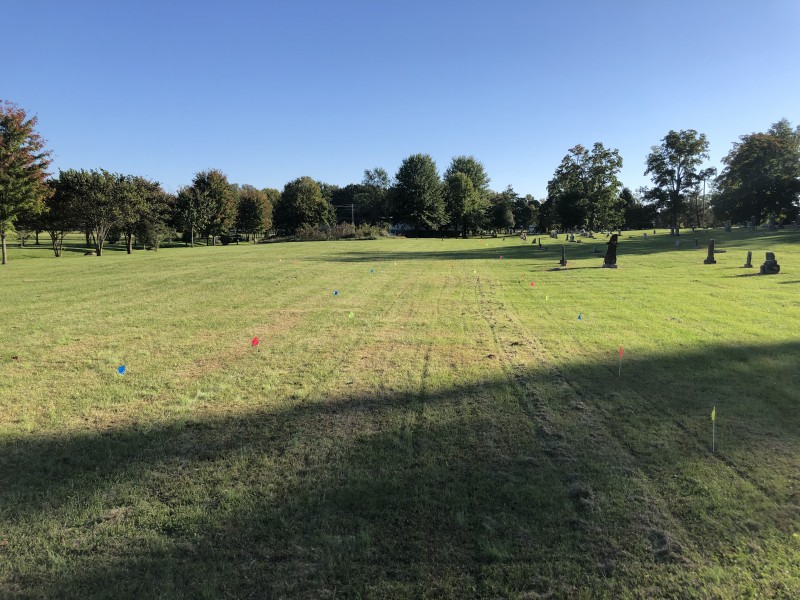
[352, 208]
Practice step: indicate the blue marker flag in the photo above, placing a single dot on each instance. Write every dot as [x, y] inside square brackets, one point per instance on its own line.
[335, 292]
[121, 369]
[580, 316]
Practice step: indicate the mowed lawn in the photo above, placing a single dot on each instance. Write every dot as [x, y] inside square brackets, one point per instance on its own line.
[464, 434]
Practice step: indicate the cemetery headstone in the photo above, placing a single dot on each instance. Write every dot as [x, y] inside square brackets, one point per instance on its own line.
[563, 262]
[710, 258]
[610, 259]
[728, 225]
[770, 266]
[748, 264]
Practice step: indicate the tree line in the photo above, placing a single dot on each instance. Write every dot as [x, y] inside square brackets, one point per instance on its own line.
[761, 178]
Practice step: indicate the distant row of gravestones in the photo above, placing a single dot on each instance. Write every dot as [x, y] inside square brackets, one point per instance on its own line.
[770, 266]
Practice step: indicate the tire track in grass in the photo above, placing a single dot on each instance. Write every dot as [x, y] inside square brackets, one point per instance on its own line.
[587, 418]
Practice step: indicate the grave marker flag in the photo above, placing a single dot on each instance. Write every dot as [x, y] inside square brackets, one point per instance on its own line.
[713, 428]
[335, 292]
[254, 342]
[580, 316]
[121, 370]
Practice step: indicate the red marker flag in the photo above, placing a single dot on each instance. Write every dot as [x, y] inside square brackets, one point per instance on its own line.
[620, 351]
[254, 342]
[533, 284]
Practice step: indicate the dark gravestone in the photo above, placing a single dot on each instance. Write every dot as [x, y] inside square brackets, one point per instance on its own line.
[728, 225]
[610, 259]
[770, 266]
[710, 259]
[563, 261]
[748, 264]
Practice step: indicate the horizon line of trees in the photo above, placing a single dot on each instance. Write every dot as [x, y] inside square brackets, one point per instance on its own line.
[761, 178]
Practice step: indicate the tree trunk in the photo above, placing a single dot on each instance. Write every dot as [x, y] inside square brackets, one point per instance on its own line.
[88, 241]
[3, 243]
[191, 237]
[129, 242]
[99, 245]
[37, 236]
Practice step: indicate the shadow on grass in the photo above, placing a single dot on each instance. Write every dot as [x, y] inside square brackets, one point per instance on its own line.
[536, 482]
[512, 248]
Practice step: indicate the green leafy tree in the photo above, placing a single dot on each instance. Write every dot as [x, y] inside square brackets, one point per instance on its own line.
[254, 214]
[23, 169]
[93, 195]
[502, 210]
[526, 211]
[585, 188]
[153, 227]
[638, 215]
[761, 175]
[417, 193]
[328, 190]
[192, 212]
[140, 200]
[302, 205]
[372, 197]
[674, 167]
[476, 213]
[462, 202]
[474, 169]
[59, 216]
[219, 198]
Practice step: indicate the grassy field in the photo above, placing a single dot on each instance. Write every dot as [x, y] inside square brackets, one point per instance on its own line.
[463, 435]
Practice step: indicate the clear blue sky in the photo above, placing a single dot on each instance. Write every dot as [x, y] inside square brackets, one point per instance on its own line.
[269, 91]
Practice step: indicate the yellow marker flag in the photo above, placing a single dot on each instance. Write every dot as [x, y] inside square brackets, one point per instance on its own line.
[714, 414]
